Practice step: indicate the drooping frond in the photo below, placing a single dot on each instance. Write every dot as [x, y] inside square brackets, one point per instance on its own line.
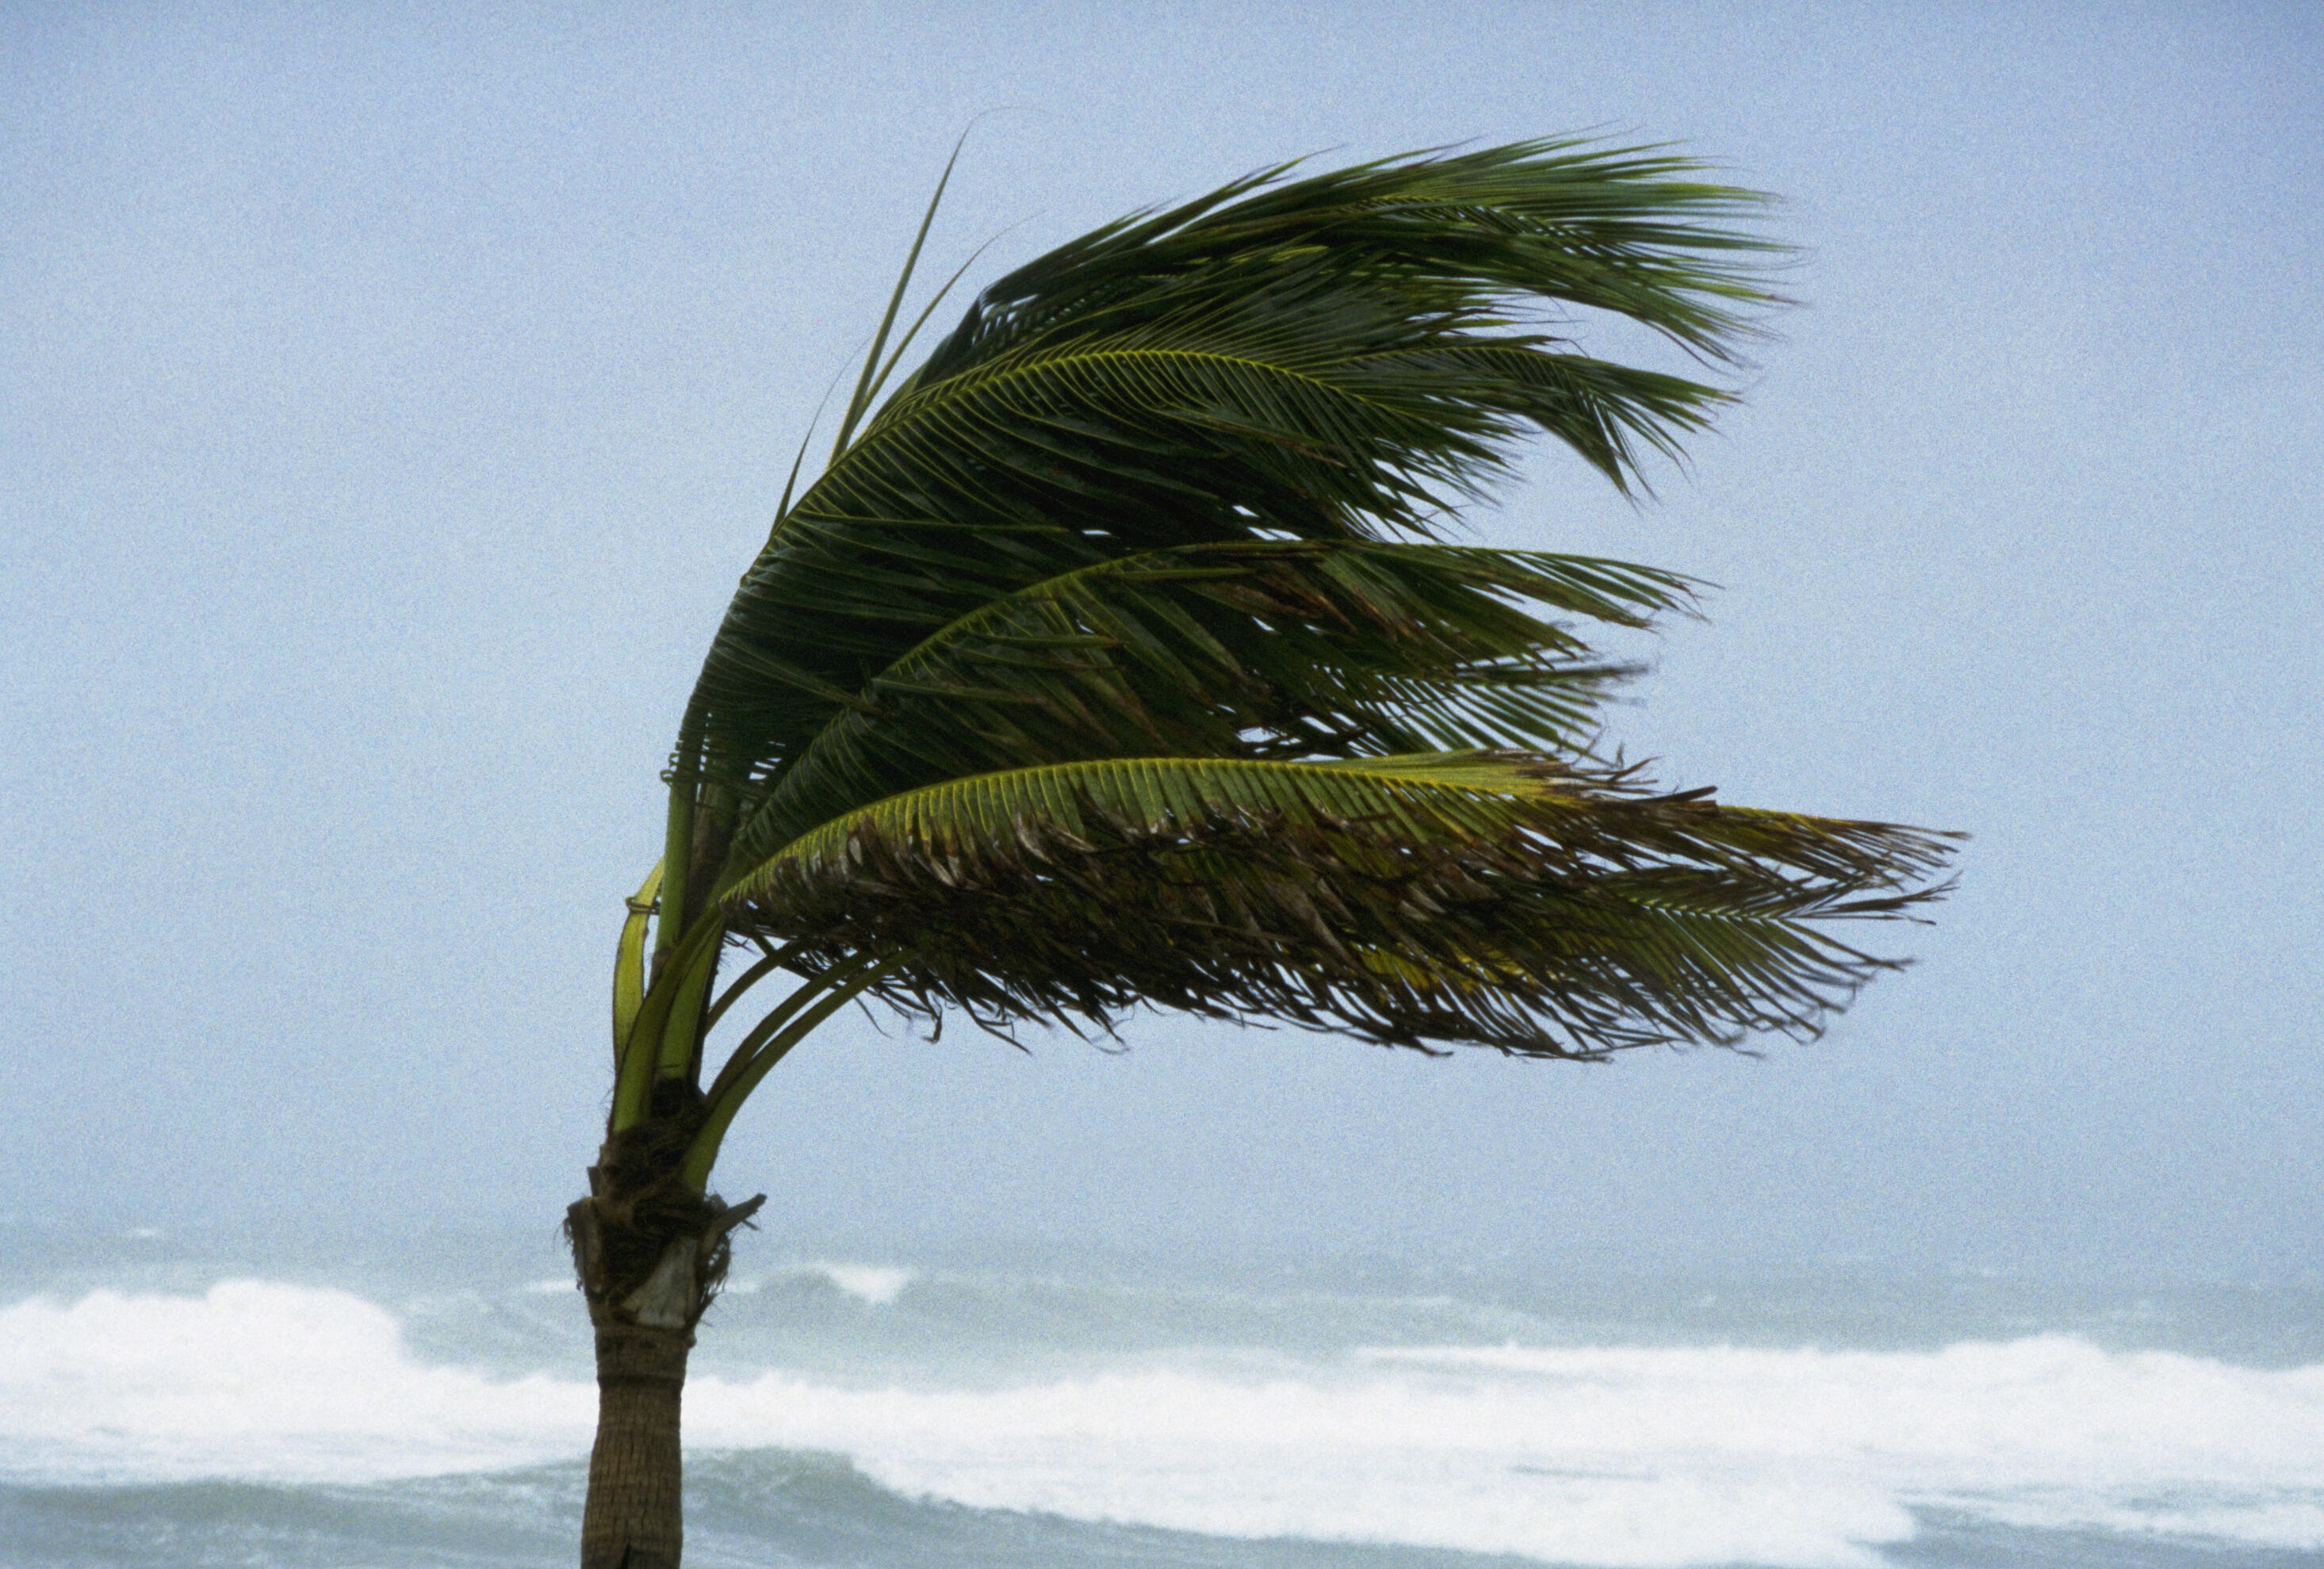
[1335, 358]
[1490, 898]
[1273, 648]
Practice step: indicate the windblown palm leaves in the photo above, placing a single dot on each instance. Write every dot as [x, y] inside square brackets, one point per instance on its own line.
[1483, 897]
[1116, 657]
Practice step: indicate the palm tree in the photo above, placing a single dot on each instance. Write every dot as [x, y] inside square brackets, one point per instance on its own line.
[1119, 658]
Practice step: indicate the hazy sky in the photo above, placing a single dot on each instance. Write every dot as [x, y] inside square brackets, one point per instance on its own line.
[389, 397]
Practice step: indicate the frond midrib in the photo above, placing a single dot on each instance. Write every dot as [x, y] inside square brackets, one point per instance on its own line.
[1493, 775]
[946, 396]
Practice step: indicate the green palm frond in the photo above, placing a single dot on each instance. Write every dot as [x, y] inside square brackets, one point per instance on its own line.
[1339, 357]
[1490, 898]
[1290, 648]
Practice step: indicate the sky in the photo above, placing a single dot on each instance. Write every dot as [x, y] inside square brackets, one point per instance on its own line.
[389, 396]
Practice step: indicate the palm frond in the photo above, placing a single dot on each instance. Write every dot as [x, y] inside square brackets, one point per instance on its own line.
[1339, 357]
[1275, 649]
[1497, 898]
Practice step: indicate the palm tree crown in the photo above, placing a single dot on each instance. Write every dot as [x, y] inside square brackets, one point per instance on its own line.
[1120, 657]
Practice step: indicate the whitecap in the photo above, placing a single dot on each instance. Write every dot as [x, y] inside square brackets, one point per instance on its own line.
[259, 1381]
[876, 1285]
[1622, 1457]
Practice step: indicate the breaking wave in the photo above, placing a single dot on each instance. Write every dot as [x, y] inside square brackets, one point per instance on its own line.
[1601, 1456]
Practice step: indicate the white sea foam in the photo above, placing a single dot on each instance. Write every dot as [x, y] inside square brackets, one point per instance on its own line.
[1601, 1456]
[875, 1284]
[1615, 1457]
[256, 1380]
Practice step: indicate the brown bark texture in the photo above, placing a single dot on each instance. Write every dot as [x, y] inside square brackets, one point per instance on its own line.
[635, 1516]
[651, 1257]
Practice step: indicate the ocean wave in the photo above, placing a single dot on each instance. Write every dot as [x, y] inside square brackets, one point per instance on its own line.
[256, 1380]
[873, 1285]
[1604, 1456]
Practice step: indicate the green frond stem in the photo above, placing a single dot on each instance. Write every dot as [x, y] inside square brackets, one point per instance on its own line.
[1457, 790]
[773, 960]
[811, 987]
[798, 1017]
[630, 960]
[672, 1010]
[681, 1034]
[678, 850]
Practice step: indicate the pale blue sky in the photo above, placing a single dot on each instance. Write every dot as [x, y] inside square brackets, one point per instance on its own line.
[389, 395]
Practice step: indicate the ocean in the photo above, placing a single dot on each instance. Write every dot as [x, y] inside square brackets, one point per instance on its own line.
[172, 1400]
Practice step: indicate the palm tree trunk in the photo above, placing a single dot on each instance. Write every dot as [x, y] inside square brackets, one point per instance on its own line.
[647, 1289]
[634, 1518]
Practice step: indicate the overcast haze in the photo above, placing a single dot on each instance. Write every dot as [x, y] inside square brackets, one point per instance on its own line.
[388, 402]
